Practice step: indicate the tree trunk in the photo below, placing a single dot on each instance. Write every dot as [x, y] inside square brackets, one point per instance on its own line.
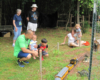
[78, 9]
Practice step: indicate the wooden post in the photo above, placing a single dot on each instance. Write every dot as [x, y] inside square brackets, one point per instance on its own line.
[78, 10]
[41, 65]
[58, 45]
[83, 20]
[71, 20]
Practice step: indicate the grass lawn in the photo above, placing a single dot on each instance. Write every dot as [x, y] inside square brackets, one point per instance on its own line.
[9, 70]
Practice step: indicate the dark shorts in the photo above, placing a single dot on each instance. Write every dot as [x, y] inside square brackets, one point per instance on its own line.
[22, 54]
[44, 53]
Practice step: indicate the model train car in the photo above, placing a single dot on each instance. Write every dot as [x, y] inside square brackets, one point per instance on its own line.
[61, 75]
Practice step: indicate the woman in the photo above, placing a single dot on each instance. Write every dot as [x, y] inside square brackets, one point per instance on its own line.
[17, 23]
[71, 39]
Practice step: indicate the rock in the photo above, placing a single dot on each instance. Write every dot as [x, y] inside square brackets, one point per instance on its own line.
[83, 73]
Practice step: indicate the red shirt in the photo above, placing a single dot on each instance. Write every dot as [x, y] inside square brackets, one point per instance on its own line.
[44, 47]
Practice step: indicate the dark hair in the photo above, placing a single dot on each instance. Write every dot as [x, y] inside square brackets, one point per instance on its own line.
[44, 40]
[73, 30]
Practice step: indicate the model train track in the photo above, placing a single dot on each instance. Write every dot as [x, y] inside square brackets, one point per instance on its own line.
[69, 68]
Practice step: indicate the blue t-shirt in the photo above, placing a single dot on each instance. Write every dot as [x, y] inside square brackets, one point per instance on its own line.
[18, 20]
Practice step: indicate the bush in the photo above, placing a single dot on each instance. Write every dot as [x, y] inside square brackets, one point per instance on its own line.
[86, 27]
[68, 29]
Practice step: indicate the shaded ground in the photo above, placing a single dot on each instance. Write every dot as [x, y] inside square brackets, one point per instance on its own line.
[9, 70]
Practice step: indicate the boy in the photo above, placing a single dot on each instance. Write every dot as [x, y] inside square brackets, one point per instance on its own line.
[44, 47]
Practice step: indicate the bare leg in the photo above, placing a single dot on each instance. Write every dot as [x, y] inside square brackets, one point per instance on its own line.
[46, 55]
[14, 41]
[74, 45]
[35, 54]
[25, 58]
[81, 43]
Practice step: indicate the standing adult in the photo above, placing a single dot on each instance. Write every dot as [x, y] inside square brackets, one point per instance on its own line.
[21, 48]
[32, 18]
[17, 23]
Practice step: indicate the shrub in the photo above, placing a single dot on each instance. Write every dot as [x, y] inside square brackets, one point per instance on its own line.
[86, 27]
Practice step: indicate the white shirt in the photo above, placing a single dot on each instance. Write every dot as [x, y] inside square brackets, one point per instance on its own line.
[70, 38]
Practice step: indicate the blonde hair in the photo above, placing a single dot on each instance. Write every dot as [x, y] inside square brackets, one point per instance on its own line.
[77, 25]
[34, 36]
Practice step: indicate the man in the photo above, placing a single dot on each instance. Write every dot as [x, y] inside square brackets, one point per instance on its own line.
[20, 49]
[32, 18]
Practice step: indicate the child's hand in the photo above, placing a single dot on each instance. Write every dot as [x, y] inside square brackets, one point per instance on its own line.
[35, 46]
[42, 48]
[79, 36]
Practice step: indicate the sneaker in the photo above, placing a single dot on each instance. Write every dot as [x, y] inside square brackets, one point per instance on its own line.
[13, 45]
[20, 63]
[42, 58]
[26, 62]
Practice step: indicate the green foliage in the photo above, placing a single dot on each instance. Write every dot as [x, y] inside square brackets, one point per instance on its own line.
[57, 52]
[68, 29]
[86, 4]
[98, 57]
[86, 27]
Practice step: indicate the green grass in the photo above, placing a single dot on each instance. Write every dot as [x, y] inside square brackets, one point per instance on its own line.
[9, 70]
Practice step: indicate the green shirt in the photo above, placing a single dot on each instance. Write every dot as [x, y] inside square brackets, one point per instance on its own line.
[21, 42]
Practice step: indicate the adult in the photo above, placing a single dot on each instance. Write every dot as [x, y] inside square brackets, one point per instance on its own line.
[71, 38]
[17, 23]
[21, 48]
[32, 18]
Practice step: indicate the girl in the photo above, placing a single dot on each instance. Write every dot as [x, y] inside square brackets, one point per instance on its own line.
[78, 32]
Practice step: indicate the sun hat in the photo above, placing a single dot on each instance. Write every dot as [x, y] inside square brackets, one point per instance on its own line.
[34, 5]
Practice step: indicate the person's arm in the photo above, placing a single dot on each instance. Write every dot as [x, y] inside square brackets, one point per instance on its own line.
[26, 50]
[80, 33]
[35, 46]
[27, 18]
[64, 40]
[30, 47]
[46, 50]
[14, 24]
[39, 47]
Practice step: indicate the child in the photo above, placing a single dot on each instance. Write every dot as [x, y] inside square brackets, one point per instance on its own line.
[44, 47]
[78, 32]
[32, 44]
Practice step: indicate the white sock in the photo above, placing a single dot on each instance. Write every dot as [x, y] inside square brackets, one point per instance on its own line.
[13, 44]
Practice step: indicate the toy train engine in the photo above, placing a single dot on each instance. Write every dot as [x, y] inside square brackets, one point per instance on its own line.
[62, 74]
